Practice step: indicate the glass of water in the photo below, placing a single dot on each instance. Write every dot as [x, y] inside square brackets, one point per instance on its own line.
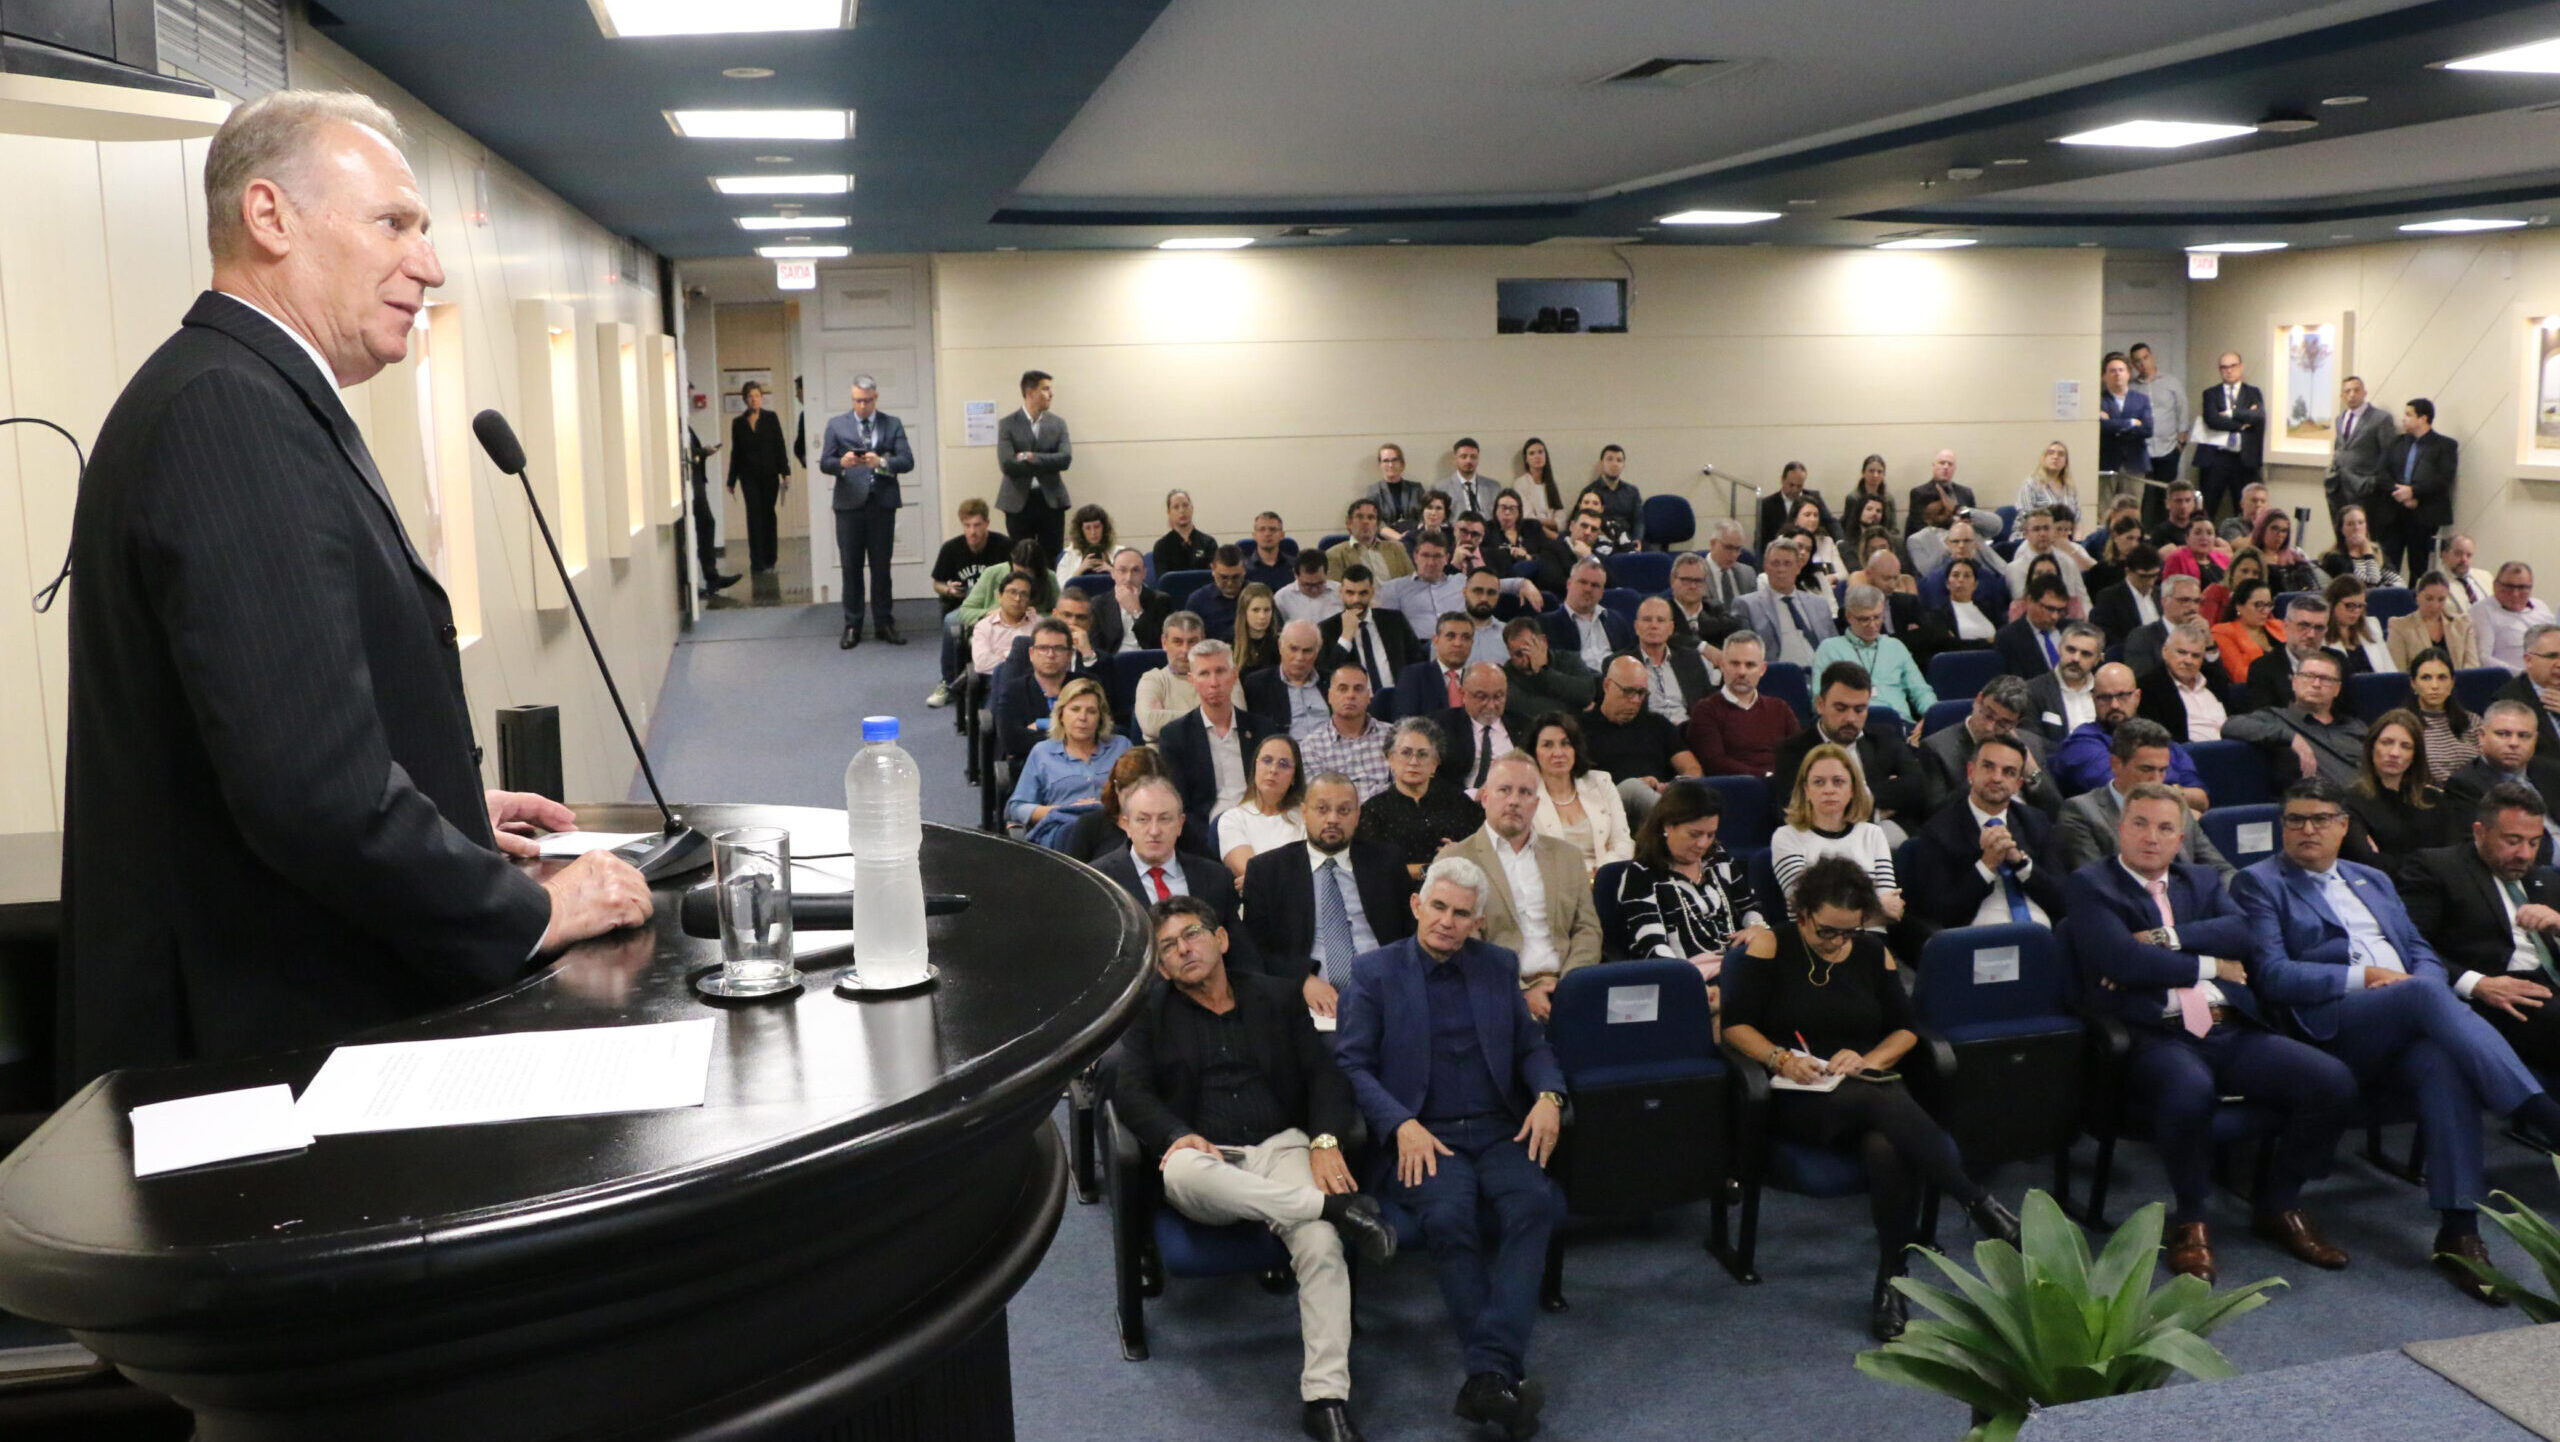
[751, 871]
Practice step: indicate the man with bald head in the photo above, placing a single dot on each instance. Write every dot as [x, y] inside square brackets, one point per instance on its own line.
[1292, 695]
[2083, 761]
[1942, 487]
[1480, 728]
[275, 832]
[1628, 739]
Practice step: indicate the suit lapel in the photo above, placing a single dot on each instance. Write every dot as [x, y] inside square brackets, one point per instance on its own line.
[2309, 890]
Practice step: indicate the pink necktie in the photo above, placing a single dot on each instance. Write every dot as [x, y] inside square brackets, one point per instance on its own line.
[2191, 1004]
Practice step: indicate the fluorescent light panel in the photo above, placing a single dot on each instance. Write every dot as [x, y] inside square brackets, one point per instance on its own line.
[1206, 242]
[2542, 57]
[782, 184]
[793, 222]
[761, 124]
[2235, 247]
[1716, 217]
[803, 252]
[2464, 223]
[628, 19]
[1927, 242]
[2157, 134]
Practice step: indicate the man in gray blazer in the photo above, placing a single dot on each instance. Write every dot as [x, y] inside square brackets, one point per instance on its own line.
[1793, 621]
[866, 450]
[2138, 752]
[2363, 433]
[1467, 488]
[1729, 577]
[1032, 451]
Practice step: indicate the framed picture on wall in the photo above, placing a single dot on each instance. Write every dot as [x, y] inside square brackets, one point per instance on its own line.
[867, 298]
[2537, 333]
[733, 389]
[2307, 362]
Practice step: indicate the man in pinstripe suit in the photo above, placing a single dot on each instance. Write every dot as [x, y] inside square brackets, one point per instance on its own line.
[275, 833]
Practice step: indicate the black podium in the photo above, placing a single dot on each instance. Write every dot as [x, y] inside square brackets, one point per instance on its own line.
[823, 1250]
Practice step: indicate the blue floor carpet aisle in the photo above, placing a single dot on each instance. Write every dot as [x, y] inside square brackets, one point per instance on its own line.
[759, 705]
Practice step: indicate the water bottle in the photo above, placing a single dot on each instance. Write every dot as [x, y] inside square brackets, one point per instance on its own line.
[884, 821]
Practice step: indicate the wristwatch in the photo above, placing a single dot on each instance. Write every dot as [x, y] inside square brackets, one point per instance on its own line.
[1555, 1097]
[1324, 1142]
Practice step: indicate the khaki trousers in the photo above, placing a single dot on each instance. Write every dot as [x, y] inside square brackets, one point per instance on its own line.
[1274, 1184]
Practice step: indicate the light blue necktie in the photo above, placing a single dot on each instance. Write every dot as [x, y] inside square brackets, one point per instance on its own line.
[2009, 886]
[1333, 925]
[2409, 467]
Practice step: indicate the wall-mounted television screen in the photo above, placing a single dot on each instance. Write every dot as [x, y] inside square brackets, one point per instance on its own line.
[1560, 307]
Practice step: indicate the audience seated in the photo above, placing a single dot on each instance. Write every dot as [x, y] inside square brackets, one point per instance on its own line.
[1424, 810]
[1683, 896]
[1961, 618]
[1153, 866]
[1478, 729]
[2452, 734]
[1793, 620]
[1205, 748]
[1676, 677]
[2163, 950]
[2434, 626]
[1366, 545]
[1310, 597]
[2538, 685]
[2493, 911]
[2351, 635]
[1482, 597]
[1130, 616]
[1272, 558]
[2257, 650]
[1062, 777]
[1088, 643]
[963, 559]
[2471, 585]
[2184, 697]
[1831, 813]
[1268, 818]
[1351, 741]
[1257, 633]
[2325, 740]
[1998, 708]
[1827, 980]
[1435, 590]
[1537, 904]
[1166, 692]
[1098, 833]
[2509, 751]
[2178, 605]
[1888, 663]
[991, 639]
[1090, 542]
[1466, 488]
[1982, 861]
[1291, 695]
[1215, 603]
[2046, 537]
[1736, 729]
[1625, 738]
[1318, 903]
[1729, 577]
[1576, 805]
[1439, 681]
[1991, 587]
[1382, 642]
[1699, 621]
[1399, 501]
[2394, 810]
[2083, 762]
[2333, 949]
[1022, 697]
[1582, 627]
[1541, 679]
[2128, 605]
[1183, 547]
[2032, 644]
[1512, 534]
[1903, 791]
[1217, 1059]
[1465, 1100]
[1942, 489]
[2063, 699]
[2138, 753]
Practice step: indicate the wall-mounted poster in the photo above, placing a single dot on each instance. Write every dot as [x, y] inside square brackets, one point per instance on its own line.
[733, 389]
[2546, 372]
[2537, 342]
[2308, 358]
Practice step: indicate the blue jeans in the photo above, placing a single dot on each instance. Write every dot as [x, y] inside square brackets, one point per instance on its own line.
[1487, 1179]
[2417, 1038]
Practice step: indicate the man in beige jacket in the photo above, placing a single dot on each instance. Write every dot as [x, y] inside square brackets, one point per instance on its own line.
[1539, 903]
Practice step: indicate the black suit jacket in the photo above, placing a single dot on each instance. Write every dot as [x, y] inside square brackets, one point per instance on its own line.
[1204, 877]
[2020, 651]
[1458, 735]
[1945, 886]
[1280, 903]
[2142, 647]
[274, 830]
[1113, 634]
[2161, 702]
[1918, 501]
[1156, 1082]
[2464, 788]
[1775, 507]
[2547, 733]
[756, 449]
[1267, 696]
[2455, 904]
[1394, 632]
[2270, 681]
[2114, 611]
[1896, 777]
[2430, 480]
[1184, 743]
[2248, 416]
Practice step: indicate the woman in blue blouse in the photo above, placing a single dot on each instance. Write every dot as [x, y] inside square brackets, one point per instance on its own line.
[1062, 777]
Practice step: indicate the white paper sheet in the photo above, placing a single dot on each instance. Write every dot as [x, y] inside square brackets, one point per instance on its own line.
[193, 1131]
[978, 423]
[1995, 964]
[579, 843]
[2254, 836]
[1634, 1004]
[465, 1081]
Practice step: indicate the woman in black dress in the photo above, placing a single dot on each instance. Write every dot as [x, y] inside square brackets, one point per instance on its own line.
[1421, 812]
[760, 462]
[1826, 980]
[2393, 810]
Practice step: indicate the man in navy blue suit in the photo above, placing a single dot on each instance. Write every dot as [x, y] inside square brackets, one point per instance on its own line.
[1982, 861]
[2331, 945]
[1444, 1059]
[2158, 946]
[866, 450]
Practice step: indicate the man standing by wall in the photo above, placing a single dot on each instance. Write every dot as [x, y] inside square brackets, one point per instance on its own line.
[2419, 468]
[1033, 452]
[2355, 478]
[2231, 439]
[2168, 415]
[865, 449]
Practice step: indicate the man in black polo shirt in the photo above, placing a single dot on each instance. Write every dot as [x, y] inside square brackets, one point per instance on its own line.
[1640, 750]
[1222, 1076]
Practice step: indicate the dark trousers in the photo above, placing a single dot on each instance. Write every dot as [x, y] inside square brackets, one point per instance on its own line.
[1038, 521]
[706, 544]
[2416, 1038]
[2185, 1077]
[1492, 1300]
[1901, 1145]
[762, 543]
[2408, 544]
[2536, 1038]
[865, 536]
[2221, 475]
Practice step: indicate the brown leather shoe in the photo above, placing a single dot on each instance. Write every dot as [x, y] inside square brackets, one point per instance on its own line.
[2292, 1230]
[2463, 1281]
[2190, 1251]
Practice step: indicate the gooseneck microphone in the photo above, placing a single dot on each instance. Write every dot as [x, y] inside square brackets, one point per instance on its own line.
[679, 848]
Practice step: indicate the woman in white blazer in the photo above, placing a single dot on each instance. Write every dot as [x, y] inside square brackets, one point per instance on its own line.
[1576, 804]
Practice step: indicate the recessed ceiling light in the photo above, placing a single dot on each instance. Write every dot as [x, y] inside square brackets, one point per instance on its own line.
[762, 124]
[747, 72]
[2235, 247]
[2463, 223]
[1205, 242]
[1806, 201]
[773, 160]
[1927, 242]
[2542, 57]
[1399, 240]
[793, 222]
[2344, 100]
[624, 19]
[1717, 217]
[2086, 244]
[1008, 247]
[2011, 160]
[2342, 236]
[782, 184]
[2157, 134]
[2286, 123]
[803, 252]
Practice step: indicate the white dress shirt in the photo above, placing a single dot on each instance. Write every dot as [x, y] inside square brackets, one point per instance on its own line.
[1294, 604]
[1529, 903]
[1226, 759]
[2205, 969]
[1994, 910]
[327, 375]
[2365, 941]
[1595, 638]
[2080, 707]
[2501, 631]
[2526, 958]
[2205, 711]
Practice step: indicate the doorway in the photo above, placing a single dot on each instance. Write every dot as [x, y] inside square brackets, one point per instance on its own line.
[758, 342]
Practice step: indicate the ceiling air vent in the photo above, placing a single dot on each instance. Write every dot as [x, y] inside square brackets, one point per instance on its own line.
[1665, 72]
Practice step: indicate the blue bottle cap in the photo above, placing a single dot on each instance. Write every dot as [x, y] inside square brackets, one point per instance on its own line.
[879, 728]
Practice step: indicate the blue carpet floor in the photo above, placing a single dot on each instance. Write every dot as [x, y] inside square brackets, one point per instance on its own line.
[759, 705]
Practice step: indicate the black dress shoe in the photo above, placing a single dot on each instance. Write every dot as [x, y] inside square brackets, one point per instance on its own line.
[1511, 1406]
[851, 638]
[721, 583]
[1356, 1218]
[2464, 1282]
[1328, 1419]
[1995, 1221]
[1890, 1316]
[890, 635]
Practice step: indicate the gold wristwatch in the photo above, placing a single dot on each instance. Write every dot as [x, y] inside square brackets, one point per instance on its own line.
[1324, 1142]
[1555, 1097]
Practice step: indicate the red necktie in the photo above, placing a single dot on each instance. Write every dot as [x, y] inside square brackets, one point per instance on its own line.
[1456, 697]
[1156, 875]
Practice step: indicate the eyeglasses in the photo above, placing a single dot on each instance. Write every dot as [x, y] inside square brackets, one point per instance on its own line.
[2313, 820]
[2542, 655]
[2113, 695]
[1184, 940]
[1052, 648]
[1829, 934]
[2317, 678]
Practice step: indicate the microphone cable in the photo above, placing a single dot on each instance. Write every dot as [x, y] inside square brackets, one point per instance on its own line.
[44, 598]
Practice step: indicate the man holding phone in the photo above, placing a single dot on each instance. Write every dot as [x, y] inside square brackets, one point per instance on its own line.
[866, 450]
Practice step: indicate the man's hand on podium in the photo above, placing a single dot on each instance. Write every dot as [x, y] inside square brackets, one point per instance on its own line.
[597, 893]
[516, 815]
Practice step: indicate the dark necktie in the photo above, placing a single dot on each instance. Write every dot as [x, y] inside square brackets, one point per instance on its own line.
[1727, 584]
[1484, 752]
[2516, 901]
[1369, 657]
[1789, 601]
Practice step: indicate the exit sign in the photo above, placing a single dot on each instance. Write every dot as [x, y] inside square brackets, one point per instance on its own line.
[796, 274]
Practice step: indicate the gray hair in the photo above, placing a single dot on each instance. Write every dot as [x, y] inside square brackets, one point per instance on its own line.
[1727, 527]
[1210, 650]
[1118, 551]
[1424, 727]
[2537, 631]
[2009, 693]
[865, 383]
[1185, 621]
[2194, 630]
[1456, 871]
[271, 138]
[2181, 585]
[2084, 628]
[2509, 706]
[2306, 607]
[1861, 598]
[1688, 561]
[1149, 782]
[1590, 563]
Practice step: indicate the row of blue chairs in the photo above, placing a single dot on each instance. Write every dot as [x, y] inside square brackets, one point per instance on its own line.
[1669, 523]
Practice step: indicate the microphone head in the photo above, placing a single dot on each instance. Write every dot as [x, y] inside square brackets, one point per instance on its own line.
[499, 440]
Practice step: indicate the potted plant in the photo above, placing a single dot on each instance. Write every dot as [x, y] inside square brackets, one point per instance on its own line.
[2541, 1242]
[2044, 1325]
